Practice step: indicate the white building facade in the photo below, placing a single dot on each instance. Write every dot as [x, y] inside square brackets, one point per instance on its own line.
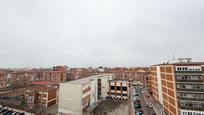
[78, 96]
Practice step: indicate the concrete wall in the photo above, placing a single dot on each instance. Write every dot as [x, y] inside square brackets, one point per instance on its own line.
[70, 99]
[105, 86]
[94, 92]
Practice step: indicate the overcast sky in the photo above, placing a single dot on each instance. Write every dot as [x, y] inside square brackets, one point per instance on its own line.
[80, 33]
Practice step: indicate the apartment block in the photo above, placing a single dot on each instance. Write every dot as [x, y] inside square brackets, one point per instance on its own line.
[10, 79]
[119, 89]
[57, 74]
[78, 73]
[179, 87]
[79, 96]
[122, 73]
[41, 96]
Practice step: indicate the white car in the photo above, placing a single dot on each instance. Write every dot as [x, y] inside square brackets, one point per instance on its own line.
[136, 98]
[150, 105]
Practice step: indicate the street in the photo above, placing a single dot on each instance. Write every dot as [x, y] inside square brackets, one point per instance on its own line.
[147, 110]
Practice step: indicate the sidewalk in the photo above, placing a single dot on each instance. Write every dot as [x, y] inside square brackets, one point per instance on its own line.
[156, 106]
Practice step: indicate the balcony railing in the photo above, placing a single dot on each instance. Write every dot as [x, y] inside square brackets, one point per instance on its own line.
[188, 71]
[181, 80]
[192, 99]
[185, 89]
[192, 108]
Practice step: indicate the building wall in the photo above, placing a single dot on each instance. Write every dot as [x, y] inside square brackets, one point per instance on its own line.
[78, 96]
[164, 89]
[52, 97]
[105, 86]
[117, 91]
[169, 90]
[70, 99]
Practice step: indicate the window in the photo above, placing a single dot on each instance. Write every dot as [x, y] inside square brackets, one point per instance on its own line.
[118, 88]
[124, 94]
[124, 88]
[112, 88]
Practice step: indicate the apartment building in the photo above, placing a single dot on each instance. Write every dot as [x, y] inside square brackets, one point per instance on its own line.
[5, 79]
[78, 73]
[56, 74]
[41, 96]
[79, 96]
[119, 89]
[14, 79]
[134, 73]
[179, 87]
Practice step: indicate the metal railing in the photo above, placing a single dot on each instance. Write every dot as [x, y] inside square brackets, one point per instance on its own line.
[192, 99]
[192, 108]
[181, 80]
[193, 89]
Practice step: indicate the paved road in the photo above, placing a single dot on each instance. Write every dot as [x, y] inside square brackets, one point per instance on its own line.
[158, 108]
[145, 108]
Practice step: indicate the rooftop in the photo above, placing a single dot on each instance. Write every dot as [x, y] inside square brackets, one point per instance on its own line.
[41, 88]
[182, 64]
[84, 80]
[43, 83]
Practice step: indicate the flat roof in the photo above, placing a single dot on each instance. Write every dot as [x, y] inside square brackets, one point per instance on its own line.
[182, 64]
[87, 79]
[40, 88]
[43, 83]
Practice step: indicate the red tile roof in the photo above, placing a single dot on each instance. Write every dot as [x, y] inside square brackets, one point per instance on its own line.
[43, 83]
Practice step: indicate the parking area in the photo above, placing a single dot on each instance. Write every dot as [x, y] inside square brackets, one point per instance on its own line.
[8, 111]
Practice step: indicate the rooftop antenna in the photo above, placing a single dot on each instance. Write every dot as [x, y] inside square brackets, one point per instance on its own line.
[173, 55]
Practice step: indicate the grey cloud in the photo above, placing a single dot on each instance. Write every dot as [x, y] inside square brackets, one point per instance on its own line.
[41, 33]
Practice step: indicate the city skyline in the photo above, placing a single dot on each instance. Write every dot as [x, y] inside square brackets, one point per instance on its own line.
[93, 33]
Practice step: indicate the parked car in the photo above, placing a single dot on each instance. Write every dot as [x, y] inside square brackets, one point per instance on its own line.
[140, 112]
[136, 101]
[143, 91]
[136, 98]
[8, 112]
[4, 110]
[150, 105]
[137, 106]
[17, 113]
[136, 94]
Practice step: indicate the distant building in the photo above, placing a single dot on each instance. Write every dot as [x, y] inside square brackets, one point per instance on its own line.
[78, 73]
[119, 89]
[56, 74]
[78, 96]
[179, 87]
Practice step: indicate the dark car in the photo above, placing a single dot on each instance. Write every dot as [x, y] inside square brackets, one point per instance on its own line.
[137, 106]
[140, 112]
[136, 101]
[21, 114]
[16, 113]
[4, 110]
[7, 112]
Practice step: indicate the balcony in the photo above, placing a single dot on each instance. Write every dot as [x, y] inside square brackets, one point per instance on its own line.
[192, 108]
[192, 99]
[193, 89]
[189, 80]
[188, 72]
